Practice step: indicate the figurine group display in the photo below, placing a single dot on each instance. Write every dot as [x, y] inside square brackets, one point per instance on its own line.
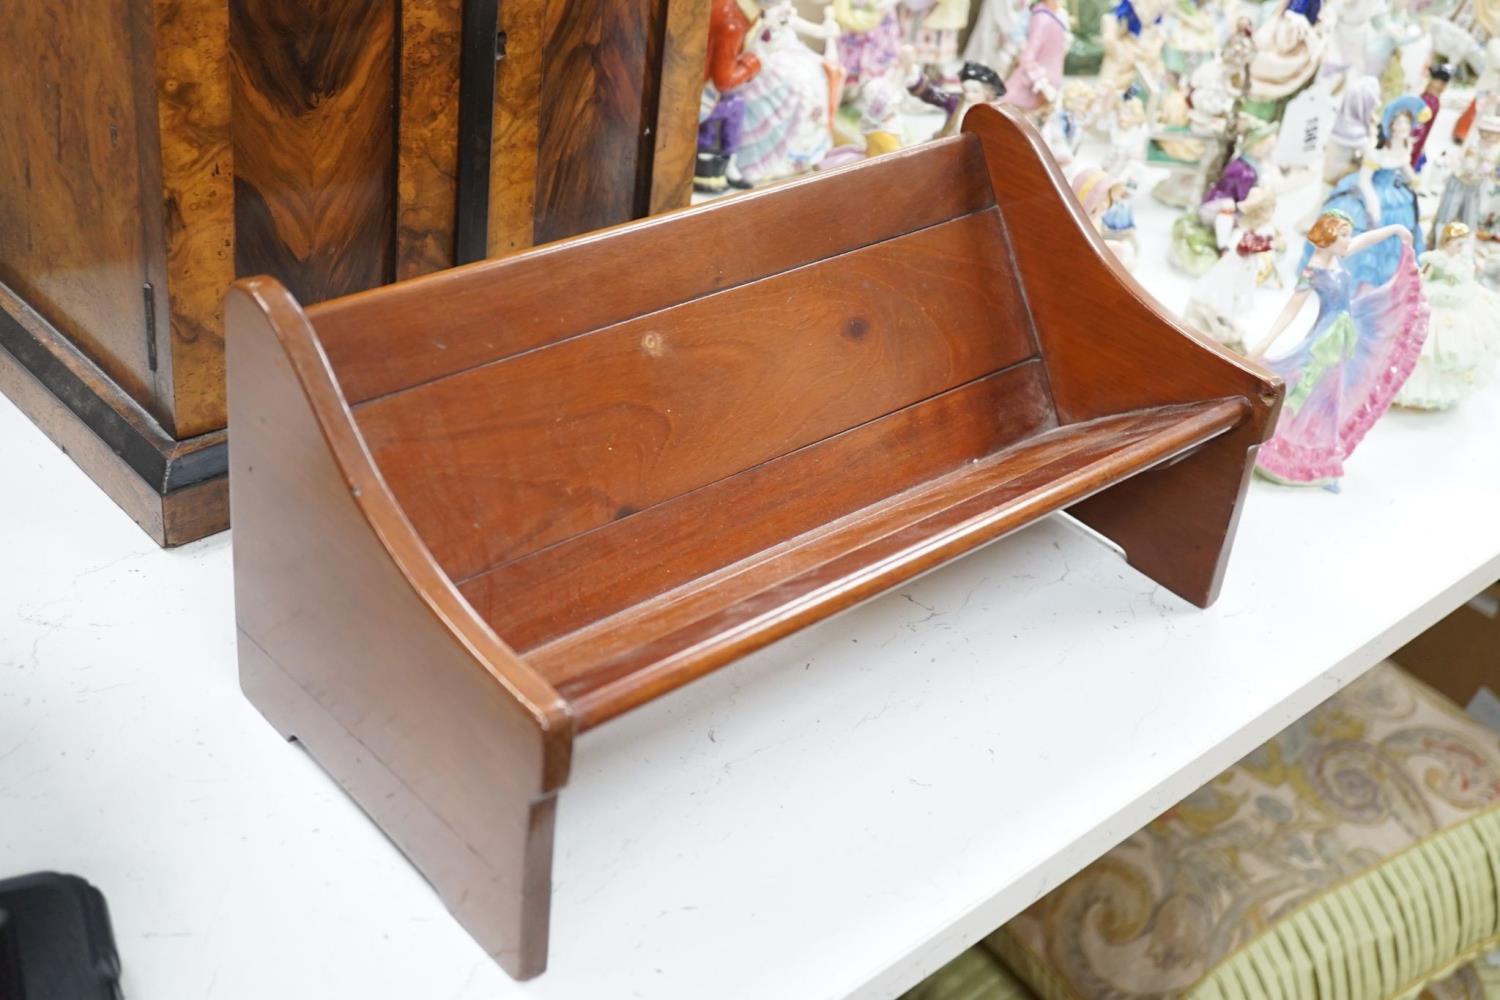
[1387, 112]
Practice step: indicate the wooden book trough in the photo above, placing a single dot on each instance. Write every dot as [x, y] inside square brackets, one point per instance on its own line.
[480, 512]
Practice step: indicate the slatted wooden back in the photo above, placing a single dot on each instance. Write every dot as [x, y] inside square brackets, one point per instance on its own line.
[531, 406]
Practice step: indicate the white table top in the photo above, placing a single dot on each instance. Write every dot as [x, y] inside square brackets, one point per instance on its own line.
[837, 815]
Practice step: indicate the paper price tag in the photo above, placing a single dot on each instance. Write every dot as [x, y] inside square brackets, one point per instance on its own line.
[1304, 128]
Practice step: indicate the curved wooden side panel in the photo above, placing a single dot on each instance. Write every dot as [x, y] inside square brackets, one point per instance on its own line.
[1109, 346]
[353, 642]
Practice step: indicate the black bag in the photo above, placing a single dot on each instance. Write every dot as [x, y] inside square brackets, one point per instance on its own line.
[55, 940]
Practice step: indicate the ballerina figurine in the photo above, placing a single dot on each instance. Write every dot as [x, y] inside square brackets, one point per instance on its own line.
[1464, 338]
[1383, 192]
[1346, 371]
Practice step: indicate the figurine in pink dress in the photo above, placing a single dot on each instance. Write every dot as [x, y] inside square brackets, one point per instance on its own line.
[1034, 83]
[1346, 371]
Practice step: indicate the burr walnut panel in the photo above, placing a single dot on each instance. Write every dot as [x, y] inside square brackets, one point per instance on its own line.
[314, 142]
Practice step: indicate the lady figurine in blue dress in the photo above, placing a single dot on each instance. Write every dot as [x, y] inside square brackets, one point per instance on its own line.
[1346, 371]
[1382, 193]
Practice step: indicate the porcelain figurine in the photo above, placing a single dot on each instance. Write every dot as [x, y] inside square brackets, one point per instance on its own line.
[1223, 298]
[721, 117]
[1251, 166]
[1107, 202]
[1197, 237]
[1432, 96]
[996, 37]
[1353, 31]
[1128, 130]
[789, 104]
[978, 84]
[1193, 39]
[1085, 48]
[1453, 45]
[1486, 99]
[934, 35]
[1393, 31]
[880, 120]
[1463, 339]
[1064, 128]
[1288, 51]
[1346, 371]
[1192, 135]
[1353, 133]
[1238, 54]
[1133, 38]
[1382, 193]
[1471, 179]
[870, 39]
[1034, 83]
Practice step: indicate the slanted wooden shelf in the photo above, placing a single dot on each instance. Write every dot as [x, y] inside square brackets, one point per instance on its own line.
[480, 512]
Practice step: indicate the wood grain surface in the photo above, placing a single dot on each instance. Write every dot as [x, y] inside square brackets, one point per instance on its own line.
[518, 109]
[633, 559]
[1110, 346]
[658, 645]
[641, 454]
[314, 143]
[684, 52]
[197, 208]
[73, 200]
[427, 139]
[600, 68]
[431, 703]
[495, 309]
[496, 462]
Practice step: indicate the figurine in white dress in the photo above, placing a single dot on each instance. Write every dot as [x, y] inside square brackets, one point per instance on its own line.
[789, 104]
[1463, 336]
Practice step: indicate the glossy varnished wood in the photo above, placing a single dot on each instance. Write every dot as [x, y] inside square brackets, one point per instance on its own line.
[191, 90]
[314, 142]
[631, 560]
[75, 171]
[448, 740]
[1101, 336]
[427, 140]
[501, 460]
[600, 67]
[517, 128]
[619, 663]
[493, 310]
[684, 51]
[175, 490]
[606, 467]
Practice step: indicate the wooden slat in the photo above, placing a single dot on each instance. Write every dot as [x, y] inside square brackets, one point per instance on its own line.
[502, 460]
[390, 339]
[659, 645]
[599, 573]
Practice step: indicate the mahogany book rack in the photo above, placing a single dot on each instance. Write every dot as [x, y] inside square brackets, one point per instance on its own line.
[479, 512]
